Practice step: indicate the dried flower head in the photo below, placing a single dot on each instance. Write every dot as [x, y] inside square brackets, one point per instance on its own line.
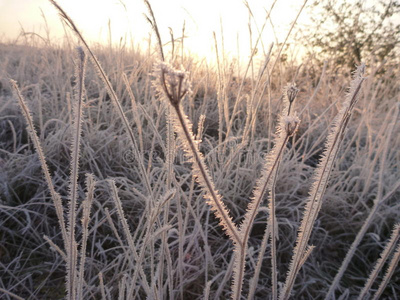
[175, 83]
[291, 92]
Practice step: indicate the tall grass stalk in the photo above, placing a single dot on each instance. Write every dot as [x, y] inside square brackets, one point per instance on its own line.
[72, 250]
[274, 230]
[102, 288]
[128, 236]
[287, 126]
[251, 114]
[378, 201]
[174, 85]
[55, 248]
[87, 205]
[36, 142]
[389, 273]
[149, 235]
[390, 246]
[260, 259]
[64, 16]
[320, 180]
[11, 294]
[253, 53]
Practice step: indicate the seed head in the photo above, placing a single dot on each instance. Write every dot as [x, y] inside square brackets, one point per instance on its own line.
[174, 83]
[291, 92]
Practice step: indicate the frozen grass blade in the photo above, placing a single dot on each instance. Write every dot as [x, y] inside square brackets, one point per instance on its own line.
[377, 203]
[153, 22]
[287, 126]
[149, 233]
[73, 186]
[111, 92]
[174, 85]
[87, 205]
[36, 142]
[381, 261]
[235, 107]
[55, 247]
[256, 275]
[135, 111]
[11, 294]
[389, 273]
[102, 288]
[320, 181]
[128, 236]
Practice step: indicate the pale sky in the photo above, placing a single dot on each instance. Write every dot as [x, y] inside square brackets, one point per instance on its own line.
[201, 19]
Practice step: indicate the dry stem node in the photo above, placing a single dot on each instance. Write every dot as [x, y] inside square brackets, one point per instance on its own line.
[291, 124]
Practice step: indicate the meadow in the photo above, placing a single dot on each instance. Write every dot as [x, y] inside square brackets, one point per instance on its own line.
[140, 174]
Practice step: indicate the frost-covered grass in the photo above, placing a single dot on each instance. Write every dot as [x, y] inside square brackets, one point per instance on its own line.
[150, 231]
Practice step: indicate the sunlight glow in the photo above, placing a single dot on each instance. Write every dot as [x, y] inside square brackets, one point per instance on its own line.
[229, 19]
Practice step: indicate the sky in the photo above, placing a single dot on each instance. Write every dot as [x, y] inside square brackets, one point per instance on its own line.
[126, 18]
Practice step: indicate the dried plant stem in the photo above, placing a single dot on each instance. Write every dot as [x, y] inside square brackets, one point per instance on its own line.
[174, 85]
[377, 203]
[274, 230]
[235, 107]
[252, 108]
[221, 94]
[33, 134]
[320, 181]
[55, 247]
[263, 248]
[128, 236]
[149, 234]
[184, 132]
[284, 130]
[165, 254]
[111, 93]
[135, 111]
[113, 228]
[381, 261]
[73, 186]
[246, 226]
[153, 23]
[263, 88]
[102, 289]
[87, 205]
[286, 38]
[11, 294]
[389, 273]
[169, 159]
